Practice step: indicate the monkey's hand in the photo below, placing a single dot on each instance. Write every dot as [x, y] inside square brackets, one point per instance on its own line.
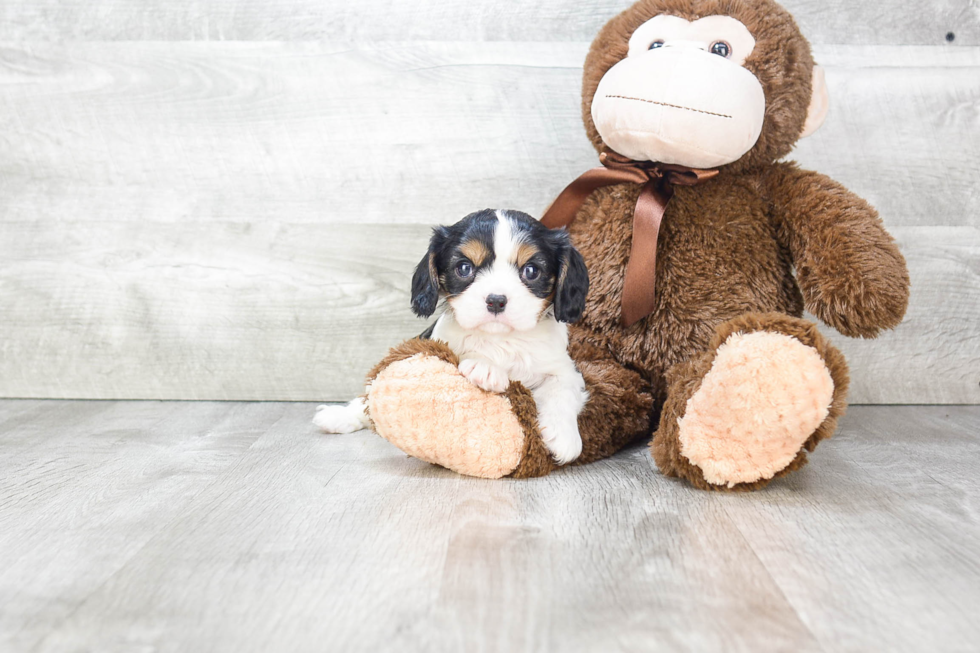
[848, 267]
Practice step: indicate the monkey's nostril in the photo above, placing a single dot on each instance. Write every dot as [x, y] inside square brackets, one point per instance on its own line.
[496, 304]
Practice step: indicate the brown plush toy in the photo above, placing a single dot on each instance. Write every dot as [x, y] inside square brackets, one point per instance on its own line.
[703, 249]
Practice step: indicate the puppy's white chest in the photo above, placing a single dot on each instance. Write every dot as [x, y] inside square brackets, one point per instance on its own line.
[527, 357]
[514, 355]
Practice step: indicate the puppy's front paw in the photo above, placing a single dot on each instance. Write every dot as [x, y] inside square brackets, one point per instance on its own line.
[560, 435]
[487, 376]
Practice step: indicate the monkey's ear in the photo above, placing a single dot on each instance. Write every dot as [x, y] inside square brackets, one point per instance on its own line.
[573, 286]
[819, 103]
[425, 281]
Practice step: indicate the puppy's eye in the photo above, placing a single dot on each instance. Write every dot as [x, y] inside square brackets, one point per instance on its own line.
[721, 48]
[530, 272]
[464, 269]
[656, 44]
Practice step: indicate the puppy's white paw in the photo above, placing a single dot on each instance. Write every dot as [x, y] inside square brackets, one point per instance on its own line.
[484, 375]
[560, 435]
[341, 419]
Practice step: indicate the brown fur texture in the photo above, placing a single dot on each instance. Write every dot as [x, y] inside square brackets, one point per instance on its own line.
[620, 403]
[536, 460]
[685, 379]
[728, 247]
[850, 271]
[745, 251]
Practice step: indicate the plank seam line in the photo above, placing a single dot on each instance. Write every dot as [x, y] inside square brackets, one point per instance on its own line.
[776, 584]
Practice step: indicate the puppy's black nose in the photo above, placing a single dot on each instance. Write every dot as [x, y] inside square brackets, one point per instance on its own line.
[496, 304]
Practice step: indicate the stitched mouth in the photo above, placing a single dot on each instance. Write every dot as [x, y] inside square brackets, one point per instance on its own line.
[671, 106]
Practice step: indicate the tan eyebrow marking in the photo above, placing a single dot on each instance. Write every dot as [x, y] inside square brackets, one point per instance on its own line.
[525, 251]
[475, 251]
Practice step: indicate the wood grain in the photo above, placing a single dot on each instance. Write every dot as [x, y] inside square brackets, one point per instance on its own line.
[174, 527]
[825, 21]
[413, 133]
[229, 311]
[892, 475]
[85, 486]
[934, 355]
[903, 132]
[401, 133]
[240, 220]
[302, 312]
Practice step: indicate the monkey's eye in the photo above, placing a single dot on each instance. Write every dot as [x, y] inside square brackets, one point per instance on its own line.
[656, 44]
[530, 272]
[721, 48]
[464, 269]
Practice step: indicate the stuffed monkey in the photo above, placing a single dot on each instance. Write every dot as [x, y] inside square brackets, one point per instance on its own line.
[703, 248]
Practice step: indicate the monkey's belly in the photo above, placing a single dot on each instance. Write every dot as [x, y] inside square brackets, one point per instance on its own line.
[717, 258]
[697, 291]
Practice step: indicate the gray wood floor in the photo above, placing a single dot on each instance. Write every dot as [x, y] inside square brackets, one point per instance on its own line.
[155, 526]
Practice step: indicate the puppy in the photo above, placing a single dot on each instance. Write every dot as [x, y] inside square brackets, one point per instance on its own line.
[510, 286]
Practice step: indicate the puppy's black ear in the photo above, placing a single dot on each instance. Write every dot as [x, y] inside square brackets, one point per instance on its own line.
[573, 286]
[425, 281]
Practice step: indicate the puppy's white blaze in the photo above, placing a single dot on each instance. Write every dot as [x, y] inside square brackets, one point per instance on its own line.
[501, 278]
[504, 245]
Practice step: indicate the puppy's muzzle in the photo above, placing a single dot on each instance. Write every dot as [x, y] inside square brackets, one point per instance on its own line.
[496, 304]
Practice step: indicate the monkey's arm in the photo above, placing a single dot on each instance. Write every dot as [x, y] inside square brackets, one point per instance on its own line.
[849, 268]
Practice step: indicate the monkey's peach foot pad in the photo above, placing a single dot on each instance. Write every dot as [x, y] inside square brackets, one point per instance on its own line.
[765, 395]
[426, 408]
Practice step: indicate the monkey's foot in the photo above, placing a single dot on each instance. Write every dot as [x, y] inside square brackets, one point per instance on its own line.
[747, 410]
[419, 401]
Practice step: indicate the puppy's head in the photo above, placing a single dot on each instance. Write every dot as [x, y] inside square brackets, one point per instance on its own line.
[501, 271]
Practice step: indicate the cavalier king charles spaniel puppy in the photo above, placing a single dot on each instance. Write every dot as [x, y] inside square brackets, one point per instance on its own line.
[510, 286]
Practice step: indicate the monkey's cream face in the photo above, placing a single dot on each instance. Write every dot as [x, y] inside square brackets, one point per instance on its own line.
[682, 95]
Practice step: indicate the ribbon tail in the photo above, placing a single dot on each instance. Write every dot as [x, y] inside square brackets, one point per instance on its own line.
[639, 287]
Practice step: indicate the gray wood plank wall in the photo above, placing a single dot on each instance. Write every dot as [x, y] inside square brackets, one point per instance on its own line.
[891, 22]
[224, 200]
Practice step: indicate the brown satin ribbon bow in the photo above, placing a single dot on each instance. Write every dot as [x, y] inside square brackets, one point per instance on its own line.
[659, 179]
